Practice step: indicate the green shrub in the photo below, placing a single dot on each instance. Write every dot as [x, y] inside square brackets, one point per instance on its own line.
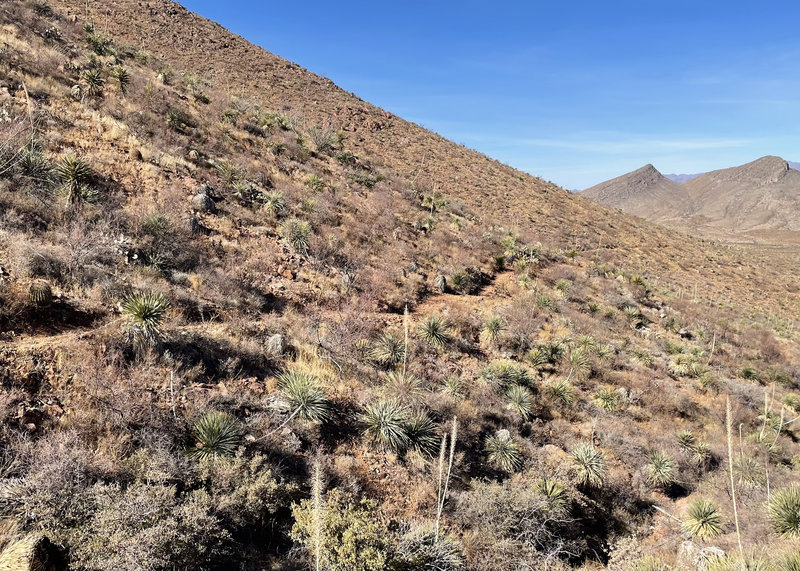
[783, 511]
[590, 465]
[217, 434]
[314, 183]
[305, 395]
[157, 225]
[98, 43]
[502, 374]
[503, 452]
[144, 313]
[420, 549]
[703, 519]
[296, 234]
[385, 425]
[351, 535]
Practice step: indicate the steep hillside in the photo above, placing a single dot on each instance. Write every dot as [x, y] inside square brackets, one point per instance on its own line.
[644, 192]
[249, 321]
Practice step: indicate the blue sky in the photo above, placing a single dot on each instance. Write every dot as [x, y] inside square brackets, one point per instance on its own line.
[575, 92]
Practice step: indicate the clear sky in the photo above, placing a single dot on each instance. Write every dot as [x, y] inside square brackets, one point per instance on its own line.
[574, 91]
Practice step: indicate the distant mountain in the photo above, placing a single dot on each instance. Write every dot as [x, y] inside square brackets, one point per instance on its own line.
[761, 197]
[795, 166]
[681, 177]
[644, 192]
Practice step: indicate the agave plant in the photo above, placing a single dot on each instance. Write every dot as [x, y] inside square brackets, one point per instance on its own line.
[519, 400]
[94, 81]
[784, 511]
[554, 492]
[304, 394]
[590, 465]
[385, 424]
[503, 452]
[143, 313]
[660, 470]
[563, 392]
[296, 234]
[493, 329]
[435, 330]
[687, 440]
[217, 434]
[703, 519]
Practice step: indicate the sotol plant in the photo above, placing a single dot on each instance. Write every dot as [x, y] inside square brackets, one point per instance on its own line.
[784, 512]
[385, 425]
[503, 452]
[144, 313]
[435, 330]
[519, 400]
[217, 434]
[590, 465]
[703, 519]
[305, 395]
[660, 470]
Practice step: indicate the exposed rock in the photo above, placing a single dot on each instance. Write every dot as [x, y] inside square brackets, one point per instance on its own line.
[440, 283]
[202, 202]
[276, 345]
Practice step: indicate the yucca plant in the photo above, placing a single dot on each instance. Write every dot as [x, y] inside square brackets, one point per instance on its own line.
[503, 452]
[453, 386]
[407, 388]
[305, 395]
[274, 204]
[701, 453]
[579, 364]
[537, 357]
[606, 398]
[493, 329]
[388, 350]
[544, 301]
[687, 440]
[315, 183]
[790, 562]
[792, 402]
[519, 400]
[217, 434]
[296, 234]
[660, 470]
[230, 173]
[93, 79]
[435, 330]
[122, 77]
[642, 356]
[76, 177]
[633, 315]
[593, 308]
[144, 313]
[783, 511]
[649, 563]
[590, 465]
[459, 281]
[703, 519]
[385, 424]
[422, 434]
[749, 472]
[563, 392]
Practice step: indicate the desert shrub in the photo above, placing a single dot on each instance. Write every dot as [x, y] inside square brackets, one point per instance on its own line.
[97, 42]
[703, 519]
[419, 549]
[642, 356]
[351, 536]
[246, 492]
[325, 139]
[217, 434]
[503, 452]
[784, 512]
[144, 313]
[435, 330]
[589, 464]
[515, 526]
[158, 225]
[305, 395]
[295, 234]
[152, 524]
[385, 425]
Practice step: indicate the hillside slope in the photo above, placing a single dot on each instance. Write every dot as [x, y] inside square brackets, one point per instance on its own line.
[249, 321]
